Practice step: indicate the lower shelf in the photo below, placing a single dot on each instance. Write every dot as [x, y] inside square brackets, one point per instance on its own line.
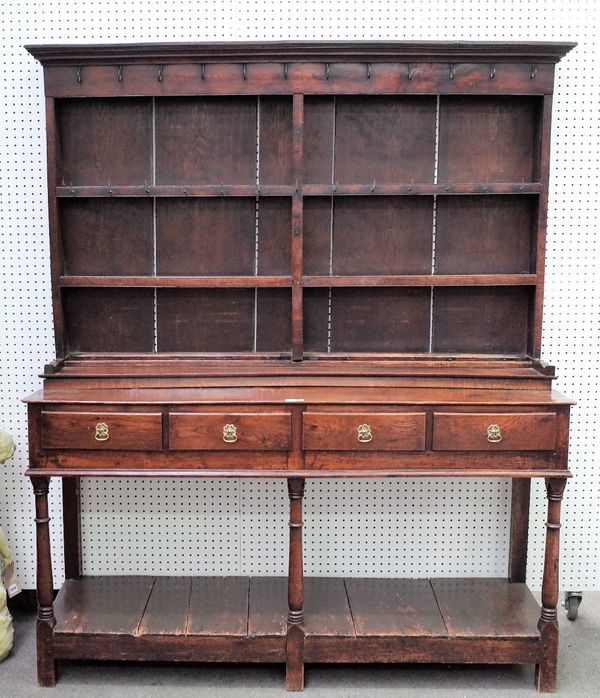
[346, 620]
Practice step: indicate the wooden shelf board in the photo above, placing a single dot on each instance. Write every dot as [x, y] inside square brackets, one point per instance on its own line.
[366, 189]
[240, 607]
[176, 281]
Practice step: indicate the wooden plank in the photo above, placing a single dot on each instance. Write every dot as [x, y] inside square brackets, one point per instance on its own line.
[380, 319]
[484, 235]
[483, 319]
[205, 237]
[519, 530]
[366, 650]
[421, 280]
[402, 607]
[486, 138]
[176, 281]
[319, 124]
[218, 606]
[168, 608]
[273, 320]
[297, 229]
[106, 236]
[109, 319]
[105, 141]
[275, 140]
[274, 237]
[205, 319]
[222, 131]
[326, 608]
[382, 235]
[487, 608]
[102, 605]
[267, 606]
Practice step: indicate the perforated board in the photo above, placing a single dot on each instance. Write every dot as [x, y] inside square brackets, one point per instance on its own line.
[360, 527]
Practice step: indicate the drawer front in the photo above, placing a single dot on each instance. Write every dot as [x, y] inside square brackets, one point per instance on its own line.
[494, 431]
[116, 431]
[195, 431]
[369, 431]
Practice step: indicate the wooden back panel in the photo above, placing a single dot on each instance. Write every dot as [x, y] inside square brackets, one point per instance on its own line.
[295, 198]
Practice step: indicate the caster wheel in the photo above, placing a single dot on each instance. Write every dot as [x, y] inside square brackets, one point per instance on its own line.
[571, 604]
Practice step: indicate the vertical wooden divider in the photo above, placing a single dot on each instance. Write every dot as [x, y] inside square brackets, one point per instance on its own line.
[297, 225]
[52, 149]
[541, 171]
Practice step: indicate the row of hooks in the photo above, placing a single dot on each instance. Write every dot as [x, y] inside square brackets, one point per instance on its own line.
[409, 74]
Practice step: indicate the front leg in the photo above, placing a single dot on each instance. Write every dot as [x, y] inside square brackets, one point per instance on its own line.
[545, 671]
[295, 632]
[46, 664]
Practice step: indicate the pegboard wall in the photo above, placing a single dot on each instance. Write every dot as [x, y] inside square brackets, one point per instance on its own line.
[397, 528]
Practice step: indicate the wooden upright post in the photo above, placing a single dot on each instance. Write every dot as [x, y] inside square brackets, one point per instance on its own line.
[545, 671]
[519, 529]
[46, 664]
[295, 632]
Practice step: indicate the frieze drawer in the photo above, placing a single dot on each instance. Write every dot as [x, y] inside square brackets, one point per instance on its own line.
[121, 431]
[534, 431]
[199, 431]
[369, 431]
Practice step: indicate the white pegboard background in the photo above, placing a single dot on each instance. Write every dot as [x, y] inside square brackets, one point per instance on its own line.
[400, 527]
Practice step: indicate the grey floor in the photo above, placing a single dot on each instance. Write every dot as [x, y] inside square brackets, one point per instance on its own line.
[579, 673]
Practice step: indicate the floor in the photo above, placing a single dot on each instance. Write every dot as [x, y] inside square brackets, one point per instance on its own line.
[579, 673]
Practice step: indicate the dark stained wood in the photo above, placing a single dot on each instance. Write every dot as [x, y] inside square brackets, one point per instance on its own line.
[168, 607]
[398, 649]
[519, 530]
[380, 319]
[275, 140]
[484, 320]
[71, 505]
[546, 670]
[273, 320]
[205, 319]
[384, 139]
[338, 431]
[105, 141]
[103, 605]
[486, 608]
[262, 431]
[318, 236]
[267, 607]
[486, 138]
[357, 51]
[106, 236]
[254, 235]
[274, 236]
[205, 237]
[177, 281]
[218, 606]
[382, 235]
[297, 229]
[483, 234]
[223, 133]
[328, 613]
[125, 430]
[45, 623]
[111, 319]
[519, 432]
[319, 125]
[394, 607]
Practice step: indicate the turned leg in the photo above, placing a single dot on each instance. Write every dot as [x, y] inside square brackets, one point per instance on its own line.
[46, 665]
[295, 632]
[545, 671]
[519, 530]
[72, 526]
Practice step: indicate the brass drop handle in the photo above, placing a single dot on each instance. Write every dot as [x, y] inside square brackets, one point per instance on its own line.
[494, 433]
[229, 434]
[364, 433]
[101, 432]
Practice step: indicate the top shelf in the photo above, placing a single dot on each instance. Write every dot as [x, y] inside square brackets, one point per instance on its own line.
[372, 189]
